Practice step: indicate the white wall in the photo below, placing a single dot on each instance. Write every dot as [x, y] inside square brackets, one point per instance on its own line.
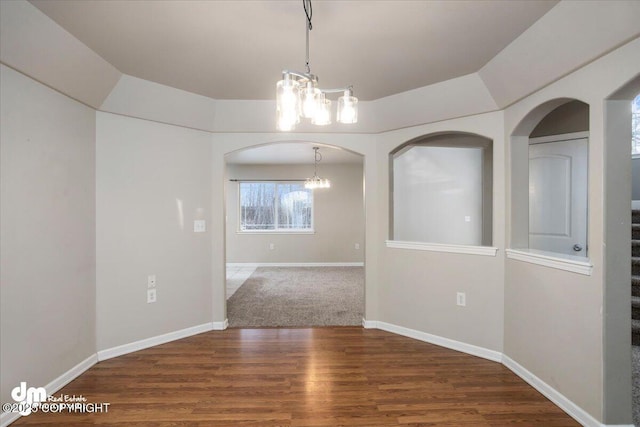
[553, 319]
[548, 321]
[417, 289]
[338, 218]
[152, 181]
[47, 232]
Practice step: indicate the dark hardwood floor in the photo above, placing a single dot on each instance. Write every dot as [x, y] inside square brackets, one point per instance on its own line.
[304, 377]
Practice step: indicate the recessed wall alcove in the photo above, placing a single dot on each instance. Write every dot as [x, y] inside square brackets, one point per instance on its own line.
[549, 181]
[441, 190]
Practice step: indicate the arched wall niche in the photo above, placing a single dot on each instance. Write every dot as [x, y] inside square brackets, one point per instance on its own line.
[519, 148]
[441, 189]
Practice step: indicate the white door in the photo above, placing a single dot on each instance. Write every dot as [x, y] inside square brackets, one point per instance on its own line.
[558, 196]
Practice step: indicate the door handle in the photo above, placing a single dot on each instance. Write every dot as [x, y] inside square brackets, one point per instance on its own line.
[577, 247]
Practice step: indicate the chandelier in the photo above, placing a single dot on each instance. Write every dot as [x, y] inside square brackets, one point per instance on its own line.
[315, 181]
[298, 95]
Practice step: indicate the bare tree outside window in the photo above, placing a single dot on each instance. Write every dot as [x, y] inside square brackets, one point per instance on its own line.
[275, 206]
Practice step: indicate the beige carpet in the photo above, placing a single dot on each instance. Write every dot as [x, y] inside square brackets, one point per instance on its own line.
[299, 296]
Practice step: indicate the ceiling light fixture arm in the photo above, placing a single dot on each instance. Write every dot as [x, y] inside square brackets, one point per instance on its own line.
[305, 77]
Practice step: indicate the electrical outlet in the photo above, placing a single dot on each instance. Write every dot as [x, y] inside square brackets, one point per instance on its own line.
[199, 226]
[151, 281]
[461, 299]
[272, 246]
[357, 245]
[151, 296]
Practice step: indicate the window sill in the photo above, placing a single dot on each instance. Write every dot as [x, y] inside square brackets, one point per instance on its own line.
[558, 261]
[276, 232]
[440, 247]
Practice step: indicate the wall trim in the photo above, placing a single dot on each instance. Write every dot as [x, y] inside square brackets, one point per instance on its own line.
[440, 247]
[369, 324]
[471, 349]
[220, 326]
[553, 395]
[552, 260]
[7, 418]
[295, 264]
[153, 341]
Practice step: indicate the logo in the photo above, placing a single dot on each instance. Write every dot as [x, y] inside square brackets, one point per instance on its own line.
[36, 399]
[28, 398]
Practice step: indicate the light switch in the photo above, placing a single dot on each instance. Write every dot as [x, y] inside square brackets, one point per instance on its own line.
[467, 219]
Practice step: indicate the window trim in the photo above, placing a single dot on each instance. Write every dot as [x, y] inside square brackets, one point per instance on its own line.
[555, 260]
[277, 182]
[443, 247]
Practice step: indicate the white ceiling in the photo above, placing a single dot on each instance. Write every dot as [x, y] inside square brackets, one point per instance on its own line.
[291, 153]
[237, 49]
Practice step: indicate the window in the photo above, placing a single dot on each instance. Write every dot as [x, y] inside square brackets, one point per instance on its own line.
[635, 127]
[275, 207]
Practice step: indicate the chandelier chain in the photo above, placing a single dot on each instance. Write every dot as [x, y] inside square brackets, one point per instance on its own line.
[308, 11]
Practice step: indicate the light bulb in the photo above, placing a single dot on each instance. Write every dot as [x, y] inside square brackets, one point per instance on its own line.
[347, 111]
[322, 114]
[287, 103]
[309, 100]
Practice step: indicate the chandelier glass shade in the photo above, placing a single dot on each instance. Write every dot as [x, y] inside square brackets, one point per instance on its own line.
[298, 95]
[315, 181]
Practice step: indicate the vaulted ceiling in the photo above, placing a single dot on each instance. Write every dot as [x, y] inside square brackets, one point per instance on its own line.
[237, 49]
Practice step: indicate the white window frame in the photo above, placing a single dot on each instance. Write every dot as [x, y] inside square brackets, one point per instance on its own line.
[310, 230]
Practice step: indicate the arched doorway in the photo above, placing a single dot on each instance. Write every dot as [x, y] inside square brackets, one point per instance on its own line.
[300, 263]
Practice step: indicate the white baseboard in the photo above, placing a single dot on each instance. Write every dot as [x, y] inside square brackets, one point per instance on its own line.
[552, 394]
[369, 324]
[153, 341]
[220, 326]
[7, 418]
[573, 410]
[294, 264]
[474, 350]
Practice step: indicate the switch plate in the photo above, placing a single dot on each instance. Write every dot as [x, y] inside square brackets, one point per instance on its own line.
[467, 219]
[151, 296]
[357, 245]
[151, 281]
[272, 246]
[461, 299]
[199, 226]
